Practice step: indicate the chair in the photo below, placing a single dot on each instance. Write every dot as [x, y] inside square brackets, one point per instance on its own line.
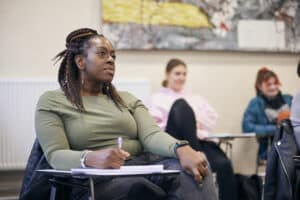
[40, 186]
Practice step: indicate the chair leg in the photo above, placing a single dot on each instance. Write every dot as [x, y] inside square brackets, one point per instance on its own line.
[92, 193]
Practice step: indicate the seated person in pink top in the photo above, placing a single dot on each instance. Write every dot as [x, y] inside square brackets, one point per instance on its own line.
[190, 117]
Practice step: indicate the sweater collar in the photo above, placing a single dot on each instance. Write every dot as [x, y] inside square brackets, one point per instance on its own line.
[172, 92]
[274, 102]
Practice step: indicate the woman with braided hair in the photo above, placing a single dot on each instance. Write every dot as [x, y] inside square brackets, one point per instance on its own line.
[78, 126]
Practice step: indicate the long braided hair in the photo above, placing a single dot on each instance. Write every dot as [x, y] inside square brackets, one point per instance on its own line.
[68, 74]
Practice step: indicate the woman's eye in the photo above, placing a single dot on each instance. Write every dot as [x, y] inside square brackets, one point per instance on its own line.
[101, 53]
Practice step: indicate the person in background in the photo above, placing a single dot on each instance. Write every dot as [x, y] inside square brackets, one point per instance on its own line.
[192, 118]
[79, 125]
[295, 111]
[266, 110]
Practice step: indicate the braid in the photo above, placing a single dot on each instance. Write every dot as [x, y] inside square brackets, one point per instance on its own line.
[72, 76]
[68, 74]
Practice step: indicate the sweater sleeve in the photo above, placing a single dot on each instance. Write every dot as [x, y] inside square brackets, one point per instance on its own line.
[251, 124]
[157, 111]
[205, 114]
[150, 134]
[295, 111]
[52, 137]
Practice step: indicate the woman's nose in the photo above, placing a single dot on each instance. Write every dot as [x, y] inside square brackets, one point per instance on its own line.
[110, 59]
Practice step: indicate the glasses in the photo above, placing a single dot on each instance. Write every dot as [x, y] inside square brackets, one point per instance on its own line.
[103, 53]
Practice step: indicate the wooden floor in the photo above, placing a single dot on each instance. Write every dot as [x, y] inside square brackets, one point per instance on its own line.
[10, 184]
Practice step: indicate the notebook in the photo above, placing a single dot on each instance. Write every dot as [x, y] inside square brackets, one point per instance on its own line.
[125, 170]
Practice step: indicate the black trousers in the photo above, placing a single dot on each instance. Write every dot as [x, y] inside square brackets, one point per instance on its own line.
[182, 125]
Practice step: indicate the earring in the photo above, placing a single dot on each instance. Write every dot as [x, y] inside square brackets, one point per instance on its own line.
[82, 79]
[107, 87]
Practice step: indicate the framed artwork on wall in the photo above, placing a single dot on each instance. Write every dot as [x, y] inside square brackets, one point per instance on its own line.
[234, 25]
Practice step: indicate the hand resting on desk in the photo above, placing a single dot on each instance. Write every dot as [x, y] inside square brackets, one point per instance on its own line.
[106, 158]
[193, 162]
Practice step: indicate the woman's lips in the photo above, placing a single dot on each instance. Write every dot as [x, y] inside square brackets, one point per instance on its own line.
[110, 71]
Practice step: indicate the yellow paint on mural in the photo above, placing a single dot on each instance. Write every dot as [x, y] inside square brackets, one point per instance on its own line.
[151, 12]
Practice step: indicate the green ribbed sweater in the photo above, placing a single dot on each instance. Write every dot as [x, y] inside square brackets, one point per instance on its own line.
[64, 133]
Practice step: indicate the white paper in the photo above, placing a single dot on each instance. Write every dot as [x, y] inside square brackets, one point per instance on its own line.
[157, 168]
[125, 170]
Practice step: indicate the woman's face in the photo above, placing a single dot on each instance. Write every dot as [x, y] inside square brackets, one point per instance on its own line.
[270, 88]
[176, 78]
[99, 62]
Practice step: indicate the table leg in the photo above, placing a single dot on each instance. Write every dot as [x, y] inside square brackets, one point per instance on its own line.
[92, 192]
[53, 192]
[228, 149]
[269, 143]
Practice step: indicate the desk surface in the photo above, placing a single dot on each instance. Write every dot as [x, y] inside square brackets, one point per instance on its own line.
[90, 174]
[230, 135]
[95, 172]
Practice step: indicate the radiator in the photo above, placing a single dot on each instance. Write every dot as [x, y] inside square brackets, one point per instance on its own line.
[18, 99]
[17, 105]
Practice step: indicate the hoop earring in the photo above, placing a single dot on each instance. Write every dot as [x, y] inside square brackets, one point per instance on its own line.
[107, 87]
[82, 79]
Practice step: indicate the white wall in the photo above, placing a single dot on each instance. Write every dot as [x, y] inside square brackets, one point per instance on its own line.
[33, 32]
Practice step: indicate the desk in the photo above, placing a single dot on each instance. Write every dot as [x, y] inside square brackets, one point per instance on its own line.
[227, 137]
[90, 175]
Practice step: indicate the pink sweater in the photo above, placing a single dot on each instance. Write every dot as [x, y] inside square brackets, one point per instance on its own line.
[162, 101]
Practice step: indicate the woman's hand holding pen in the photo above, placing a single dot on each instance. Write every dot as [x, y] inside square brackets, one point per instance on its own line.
[106, 158]
[193, 162]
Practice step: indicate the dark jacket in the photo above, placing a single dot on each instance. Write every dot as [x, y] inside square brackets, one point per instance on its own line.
[255, 120]
[281, 176]
[35, 185]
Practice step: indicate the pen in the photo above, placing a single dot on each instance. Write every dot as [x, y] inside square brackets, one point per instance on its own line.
[120, 141]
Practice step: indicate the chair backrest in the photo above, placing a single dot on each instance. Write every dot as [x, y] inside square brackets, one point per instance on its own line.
[35, 185]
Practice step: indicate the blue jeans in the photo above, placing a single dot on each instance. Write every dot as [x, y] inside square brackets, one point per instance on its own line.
[181, 186]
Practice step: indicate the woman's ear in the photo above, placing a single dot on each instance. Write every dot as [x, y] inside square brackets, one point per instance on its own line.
[166, 76]
[79, 60]
[260, 87]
